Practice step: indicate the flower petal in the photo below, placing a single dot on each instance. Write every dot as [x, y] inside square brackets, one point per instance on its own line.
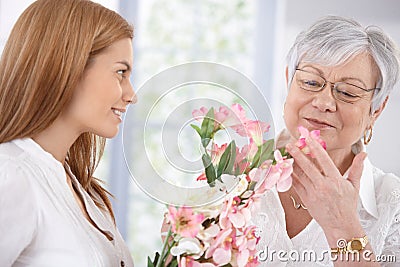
[222, 256]
[284, 185]
[237, 219]
[304, 133]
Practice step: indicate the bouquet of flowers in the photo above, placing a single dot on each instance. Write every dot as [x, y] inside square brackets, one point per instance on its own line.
[222, 234]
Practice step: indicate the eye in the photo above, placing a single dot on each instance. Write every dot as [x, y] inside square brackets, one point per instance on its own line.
[346, 94]
[122, 72]
[310, 84]
[348, 91]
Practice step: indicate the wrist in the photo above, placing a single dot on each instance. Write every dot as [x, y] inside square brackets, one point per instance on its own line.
[354, 245]
[343, 232]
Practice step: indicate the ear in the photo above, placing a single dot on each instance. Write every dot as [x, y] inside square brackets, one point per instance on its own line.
[378, 112]
[287, 75]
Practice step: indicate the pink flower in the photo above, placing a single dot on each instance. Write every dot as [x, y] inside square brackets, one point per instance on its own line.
[217, 152]
[229, 117]
[190, 262]
[222, 256]
[270, 180]
[248, 151]
[278, 174]
[235, 117]
[234, 214]
[184, 222]
[245, 156]
[224, 117]
[284, 167]
[304, 133]
[199, 114]
[202, 177]
[253, 130]
[252, 261]
[223, 243]
[246, 246]
[248, 240]
[258, 174]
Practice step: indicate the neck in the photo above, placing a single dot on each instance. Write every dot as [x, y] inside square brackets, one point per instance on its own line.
[57, 139]
[342, 159]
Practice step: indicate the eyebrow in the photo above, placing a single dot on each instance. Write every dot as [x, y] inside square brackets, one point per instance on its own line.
[124, 62]
[343, 78]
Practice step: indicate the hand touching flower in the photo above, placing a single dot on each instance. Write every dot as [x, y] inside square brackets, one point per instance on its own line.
[304, 134]
[330, 198]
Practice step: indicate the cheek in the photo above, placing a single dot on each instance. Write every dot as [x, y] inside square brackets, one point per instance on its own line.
[291, 113]
[356, 123]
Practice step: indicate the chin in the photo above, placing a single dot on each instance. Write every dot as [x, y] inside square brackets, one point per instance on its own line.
[108, 133]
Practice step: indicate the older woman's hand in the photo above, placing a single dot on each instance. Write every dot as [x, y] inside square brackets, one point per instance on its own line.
[331, 200]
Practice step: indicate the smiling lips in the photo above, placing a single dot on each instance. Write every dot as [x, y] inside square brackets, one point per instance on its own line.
[118, 112]
[318, 123]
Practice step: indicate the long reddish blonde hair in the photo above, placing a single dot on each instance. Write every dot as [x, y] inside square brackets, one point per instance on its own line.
[41, 64]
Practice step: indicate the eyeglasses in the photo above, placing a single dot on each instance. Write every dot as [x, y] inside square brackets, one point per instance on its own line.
[342, 91]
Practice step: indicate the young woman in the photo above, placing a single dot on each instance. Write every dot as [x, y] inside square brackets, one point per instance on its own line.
[64, 84]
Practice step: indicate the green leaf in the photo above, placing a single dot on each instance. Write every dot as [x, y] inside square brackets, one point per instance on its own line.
[285, 153]
[209, 169]
[264, 152]
[149, 263]
[267, 151]
[223, 162]
[198, 130]
[232, 159]
[154, 262]
[207, 128]
[205, 142]
[173, 263]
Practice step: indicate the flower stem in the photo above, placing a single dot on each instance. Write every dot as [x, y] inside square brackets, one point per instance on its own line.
[164, 251]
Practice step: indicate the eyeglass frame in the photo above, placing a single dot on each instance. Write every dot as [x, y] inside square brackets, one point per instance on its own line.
[334, 86]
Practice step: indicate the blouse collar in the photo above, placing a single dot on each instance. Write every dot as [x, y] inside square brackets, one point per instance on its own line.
[37, 152]
[367, 183]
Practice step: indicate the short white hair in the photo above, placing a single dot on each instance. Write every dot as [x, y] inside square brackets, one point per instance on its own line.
[333, 40]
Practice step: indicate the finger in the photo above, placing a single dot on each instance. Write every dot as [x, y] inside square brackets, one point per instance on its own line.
[298, 185]
[322, 158]
[304, 162]
[356, 169]
[303, 178]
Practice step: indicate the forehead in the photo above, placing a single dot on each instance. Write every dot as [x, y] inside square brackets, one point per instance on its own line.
[120, 50]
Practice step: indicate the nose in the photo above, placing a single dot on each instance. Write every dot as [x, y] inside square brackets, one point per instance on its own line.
[129, 95]
[324, 99]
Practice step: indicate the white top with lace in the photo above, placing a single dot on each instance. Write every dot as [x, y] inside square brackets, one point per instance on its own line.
[379, 211]
[41, 224]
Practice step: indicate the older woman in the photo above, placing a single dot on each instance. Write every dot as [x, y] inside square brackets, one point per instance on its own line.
[341, 210]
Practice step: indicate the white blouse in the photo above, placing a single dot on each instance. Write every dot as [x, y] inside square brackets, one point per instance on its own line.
[379, 212]
[41, 224]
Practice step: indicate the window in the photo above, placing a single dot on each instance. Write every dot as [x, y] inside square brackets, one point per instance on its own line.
[170, 33]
